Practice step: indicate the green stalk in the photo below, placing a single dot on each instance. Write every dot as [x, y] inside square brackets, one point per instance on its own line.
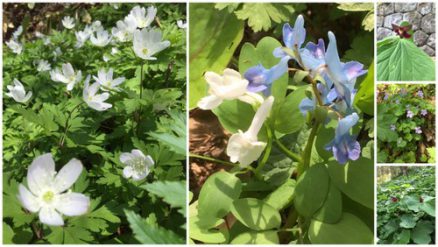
[266, 154]
[293, 156]
[308, 149]
[66, 126]
[141, 95]
[211, 159]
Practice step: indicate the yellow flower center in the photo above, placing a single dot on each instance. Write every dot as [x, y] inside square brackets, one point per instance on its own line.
[145, 51]
[48, 196]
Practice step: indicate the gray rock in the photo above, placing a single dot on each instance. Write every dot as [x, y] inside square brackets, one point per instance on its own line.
[424, 8]
[428, 23]
[394, 18]
[431, 41]
[414, 18]
[383, 33]
[429, 51]
[405, 7]
[385, 9]
[380, 20]
[420, 38]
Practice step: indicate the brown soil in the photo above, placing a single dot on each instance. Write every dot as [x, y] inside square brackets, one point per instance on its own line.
[207, 138]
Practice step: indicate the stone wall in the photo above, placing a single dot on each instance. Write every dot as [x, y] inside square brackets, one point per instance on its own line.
[420, 15]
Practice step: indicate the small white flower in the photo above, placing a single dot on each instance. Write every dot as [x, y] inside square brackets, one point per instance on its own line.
[148, 42]
[15, 46]
[81, 38]
[68, 22]
[243, 147]
[138, 14]
[46, 40]
[114, 50]
[124, 30]
[100, 38]
[137, 164]
[16, 34]
[47, 188]
[94, 100]
[105, 58]
[67, 75]
[229, 86]
[181, 24]
[43, 65]
[57, 52]
[96, 26]
[18, 93]
[105, 79]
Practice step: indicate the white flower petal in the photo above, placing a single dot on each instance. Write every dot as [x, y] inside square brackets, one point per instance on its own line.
[128, 172]
[209, 102]
[73, 204]
[149, 161]
[40, 173]
[68, 175]
[125, 157]
[49, 216]
[28, 200]
[138, 153]
[137, 176]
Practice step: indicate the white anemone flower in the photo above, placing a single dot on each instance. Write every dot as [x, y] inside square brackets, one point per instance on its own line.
[244, 147]
[114, 50]
[43, 65]
[148, 42]
[96, 26]
[124, 30]
[15, 46]
[16, 34]
[142, 20]
[68, 22]
[81, 38]
[94, 100]
[100, 38]
[181, 24]
[137, 164]
[105, 79]
[57, 52]
[67, 75]
[47, 190]
[18, 93]
[46, 39]
[229, 86]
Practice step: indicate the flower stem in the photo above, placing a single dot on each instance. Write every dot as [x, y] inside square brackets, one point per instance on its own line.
[67, 123]
[140, 97]
[266, 154]
[202, 157]
[308, 149]
[293, 156]
[315, 90]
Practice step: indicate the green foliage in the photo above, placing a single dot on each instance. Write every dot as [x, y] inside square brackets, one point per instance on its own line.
[398, 140]
[57, 121]
[406, 208]
[368, 20]
[401, 60]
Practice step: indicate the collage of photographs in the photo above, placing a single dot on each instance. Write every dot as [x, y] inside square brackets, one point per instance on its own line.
[219, 123]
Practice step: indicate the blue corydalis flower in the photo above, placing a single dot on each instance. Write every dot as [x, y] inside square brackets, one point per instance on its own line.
[423, 112]
[420, 94]
[343, 75]
[312, 56]
[293, 39]
[309, 104]
[418, 130]
[260, 79]
[344, 146]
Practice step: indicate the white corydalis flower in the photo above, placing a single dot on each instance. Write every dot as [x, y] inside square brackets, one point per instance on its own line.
[94, 100]
[67, 76]
[68, 22]
[181, 24]
[15, 46]
[244, 147]
[105, 79]
[18, 93]
[43, 65]
[48, 194]
[137, 164]
[148, 42]
[124, 30]
[229, 86]
[139, 16]
[100, 38]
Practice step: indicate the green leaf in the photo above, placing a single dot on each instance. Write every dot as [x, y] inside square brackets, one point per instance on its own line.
[429, 207]
[265, 237]
[403, 237]
[349, 230]
[368, 21]
[172, 192]
[256, 214]
[149, 234]
[311, 190]
[331, 210]
[216, 197]
[208, 236]
[214, 36]
[408, 221]
[364, 98]
[282, 196]
[421, 234]
[234, 115]
[8, 234]
[356, 180]
[384, 122]
[402, 60]
[412, 202]
[290, 108]
[174, 135]
[260, 15]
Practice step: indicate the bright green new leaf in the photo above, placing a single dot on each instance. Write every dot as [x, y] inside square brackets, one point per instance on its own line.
[364, 98]
[282, 196]
[253, 237]
[172, 192]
